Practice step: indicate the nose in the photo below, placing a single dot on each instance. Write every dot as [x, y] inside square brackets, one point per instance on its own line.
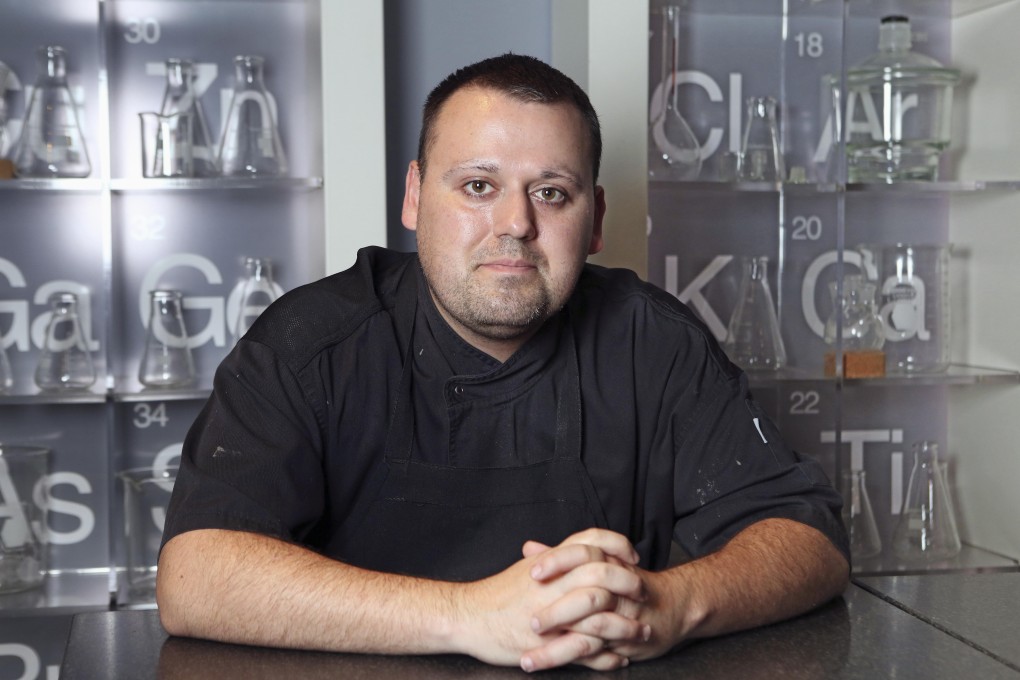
[515, 216]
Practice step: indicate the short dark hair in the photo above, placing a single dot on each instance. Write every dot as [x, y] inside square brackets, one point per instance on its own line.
[521, 77]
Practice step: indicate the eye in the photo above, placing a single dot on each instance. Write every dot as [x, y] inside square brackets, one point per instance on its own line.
[551, 195]
[478, 187]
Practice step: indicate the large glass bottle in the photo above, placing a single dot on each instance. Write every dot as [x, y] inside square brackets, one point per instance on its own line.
[180, 97]
[898, 110]
[753, 341]
[926, 529]
[51, 142]
[65, 363]
[251, 145]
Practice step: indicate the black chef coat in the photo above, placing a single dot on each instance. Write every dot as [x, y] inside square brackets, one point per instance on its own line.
[293, 438]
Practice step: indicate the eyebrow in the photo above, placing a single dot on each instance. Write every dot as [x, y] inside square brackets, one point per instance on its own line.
[493, 168]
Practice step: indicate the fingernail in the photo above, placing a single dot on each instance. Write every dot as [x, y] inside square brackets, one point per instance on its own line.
[535, 625]
[527, 665]
[626, 662]
[536, 571]
[646, 633]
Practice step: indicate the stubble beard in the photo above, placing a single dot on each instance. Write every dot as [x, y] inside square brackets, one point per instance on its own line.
[497, 307]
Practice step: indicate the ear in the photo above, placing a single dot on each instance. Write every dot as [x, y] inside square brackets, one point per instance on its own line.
[412, 191]
[596, 243]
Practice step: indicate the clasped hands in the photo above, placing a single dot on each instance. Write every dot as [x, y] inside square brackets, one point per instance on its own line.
[584, 601]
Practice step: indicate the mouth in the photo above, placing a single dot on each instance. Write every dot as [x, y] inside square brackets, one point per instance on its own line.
[508, 266]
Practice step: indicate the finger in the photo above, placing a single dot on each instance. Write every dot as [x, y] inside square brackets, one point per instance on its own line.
[609, 542]
[532, 548]
[604, 661]
[572, 608]
[605, 546]
[561, 650]
[613, 627]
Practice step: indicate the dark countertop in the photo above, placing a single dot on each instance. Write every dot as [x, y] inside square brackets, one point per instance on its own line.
[857, 636]
[981, 609]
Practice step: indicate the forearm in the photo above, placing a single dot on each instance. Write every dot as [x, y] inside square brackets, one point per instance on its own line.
[250, 589]
[770, 571]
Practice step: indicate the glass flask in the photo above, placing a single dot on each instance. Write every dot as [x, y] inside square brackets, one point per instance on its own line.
[51, 142]
[753, 341]
[914, 303]
[250, 146]
[6, 376]
[898, 110]
[761, 155]
[672, 137]
[5, 71]
[926, 530]
[65, 363]
[180, 98]
[166, 359]
[257, 292]
[23, 551]
[146, 496]
[166, 144]
[858, 517]
[862, 326]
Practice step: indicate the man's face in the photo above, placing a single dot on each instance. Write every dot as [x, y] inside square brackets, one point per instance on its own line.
[505, 215]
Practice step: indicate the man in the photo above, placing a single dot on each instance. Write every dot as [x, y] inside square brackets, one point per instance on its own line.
[490, 453]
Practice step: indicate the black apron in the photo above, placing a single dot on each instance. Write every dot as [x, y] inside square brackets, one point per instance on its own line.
[461, 524]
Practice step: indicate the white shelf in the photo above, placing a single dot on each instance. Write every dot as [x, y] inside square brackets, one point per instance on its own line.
[962, 7]
[61, 593]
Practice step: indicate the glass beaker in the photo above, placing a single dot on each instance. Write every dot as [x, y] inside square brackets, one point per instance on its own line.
[166, 360]
[926, 529]
[166, 145]
[761, 154]
[753, 341]
[914, 304]
[146, 494]
[180, 98]
[677, 146]
[65, 362]
[905, 99]
[251, 145]
[23, 552]
[51, 142]
[858, 517]
[257, 292]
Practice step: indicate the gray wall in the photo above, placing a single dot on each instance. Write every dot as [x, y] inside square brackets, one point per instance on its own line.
[425, 41]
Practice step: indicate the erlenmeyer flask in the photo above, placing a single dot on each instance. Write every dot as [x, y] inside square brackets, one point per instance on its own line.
[761, 157]
[166, 360]
[251, 146]
[51, 142]
[5, 71]
[6, 376]
[753, 341]
[671, 135]
[926, 530]
[180, 97]
[858, 517]
[257, 292]
[65, 363]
